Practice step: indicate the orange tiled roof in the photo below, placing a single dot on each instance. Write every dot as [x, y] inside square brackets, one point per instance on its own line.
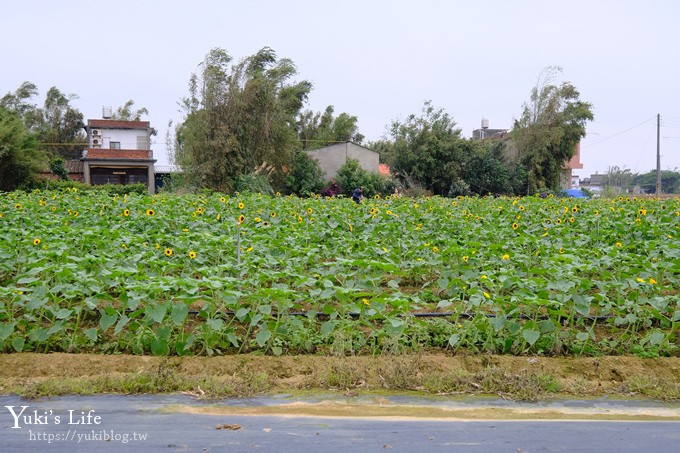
[102, 153]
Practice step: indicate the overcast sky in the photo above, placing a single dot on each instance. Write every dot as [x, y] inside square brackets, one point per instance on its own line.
[378, 60]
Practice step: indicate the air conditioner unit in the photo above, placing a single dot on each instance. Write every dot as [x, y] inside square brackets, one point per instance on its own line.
[96, 141]
[96, 132]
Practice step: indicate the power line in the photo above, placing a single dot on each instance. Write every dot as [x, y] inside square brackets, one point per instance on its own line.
[618, 133]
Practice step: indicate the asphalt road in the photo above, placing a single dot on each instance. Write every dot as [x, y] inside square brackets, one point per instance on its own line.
[149, 424]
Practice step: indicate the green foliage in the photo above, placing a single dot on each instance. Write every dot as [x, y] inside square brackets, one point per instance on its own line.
[670, 181]
[58, 169]
[428, 150]
[385, 148]
[306, 177]
[551, 125]
[350, 176]
[239, 118]
[81, 187]
[486, 173]
[20, 160]
[88, 270]
[57, 126]
[316, 130]
[125, 112]
[253, 182]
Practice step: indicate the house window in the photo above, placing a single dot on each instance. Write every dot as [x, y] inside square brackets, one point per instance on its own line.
[114, 145]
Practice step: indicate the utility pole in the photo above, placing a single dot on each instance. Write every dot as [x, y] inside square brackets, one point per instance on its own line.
[658, 154]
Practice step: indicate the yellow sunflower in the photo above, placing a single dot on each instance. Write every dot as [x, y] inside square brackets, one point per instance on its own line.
[168, 252]
[36, 241]
[192, 254]
[150, 212]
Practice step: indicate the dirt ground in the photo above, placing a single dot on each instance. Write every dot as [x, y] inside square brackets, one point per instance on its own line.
[523, 378]
[362, 386]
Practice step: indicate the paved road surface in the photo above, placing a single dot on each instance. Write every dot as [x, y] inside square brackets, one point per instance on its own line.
[150, 424]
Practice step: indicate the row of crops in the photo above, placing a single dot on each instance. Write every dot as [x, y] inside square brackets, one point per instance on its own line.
[218, 274]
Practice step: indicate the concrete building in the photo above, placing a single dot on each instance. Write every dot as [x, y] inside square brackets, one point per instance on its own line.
[119, 152]
[332, 157]
[569, 179]
[485, 133]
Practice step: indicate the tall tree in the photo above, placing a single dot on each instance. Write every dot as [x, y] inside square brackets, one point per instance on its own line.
[20, 158]
[320, 129]
[57, 125]
[552, 123]
[428, 150]
[240, 117]
[60, 126]
[486, 172]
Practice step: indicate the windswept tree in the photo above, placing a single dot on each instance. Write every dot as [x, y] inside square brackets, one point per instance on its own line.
[240, 117]
[552, 123]
[316, 130]
[127, 113]
[57, 125]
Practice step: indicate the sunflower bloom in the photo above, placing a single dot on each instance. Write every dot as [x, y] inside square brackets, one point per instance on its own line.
[487, 295]
[150, 212]
[506, 257]
[652, 281]
[36, 241]
[168, 252]
[515, 226]
[241, 219]
[241, 205]
[192, 254]
[126, 212]
[466, 258]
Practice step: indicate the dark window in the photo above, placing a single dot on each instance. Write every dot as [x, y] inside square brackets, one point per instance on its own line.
[100, 176]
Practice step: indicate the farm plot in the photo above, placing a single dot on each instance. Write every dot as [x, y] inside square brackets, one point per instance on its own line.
[218, 274]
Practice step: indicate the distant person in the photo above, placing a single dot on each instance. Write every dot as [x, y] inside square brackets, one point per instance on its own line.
[358, 194]
[396, 192]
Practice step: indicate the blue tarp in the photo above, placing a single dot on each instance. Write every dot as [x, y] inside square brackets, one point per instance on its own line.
[574, 193]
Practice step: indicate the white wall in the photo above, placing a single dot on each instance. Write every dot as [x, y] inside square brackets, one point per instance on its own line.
[126, 137]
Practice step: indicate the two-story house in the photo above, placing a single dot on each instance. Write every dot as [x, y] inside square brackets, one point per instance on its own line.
[119, 152]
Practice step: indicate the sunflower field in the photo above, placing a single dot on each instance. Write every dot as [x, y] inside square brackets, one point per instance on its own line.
[217, 274]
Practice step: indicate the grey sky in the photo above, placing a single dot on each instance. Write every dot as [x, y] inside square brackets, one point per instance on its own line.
[378, 60]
